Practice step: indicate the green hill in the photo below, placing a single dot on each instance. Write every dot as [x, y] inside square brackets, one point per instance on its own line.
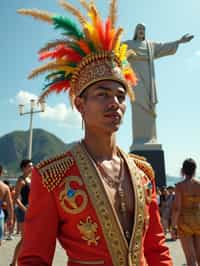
[13, 148]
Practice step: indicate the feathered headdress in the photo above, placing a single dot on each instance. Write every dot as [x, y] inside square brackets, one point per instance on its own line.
[84, 55]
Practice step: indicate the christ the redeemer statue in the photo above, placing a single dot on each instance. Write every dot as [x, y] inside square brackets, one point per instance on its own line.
[144, 108]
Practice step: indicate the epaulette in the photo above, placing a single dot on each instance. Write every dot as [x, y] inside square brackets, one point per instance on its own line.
[143, 165]
[53, 170]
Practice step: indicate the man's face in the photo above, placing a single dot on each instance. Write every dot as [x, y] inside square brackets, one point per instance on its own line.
[27, 169]
[103, 106]
[140, 32]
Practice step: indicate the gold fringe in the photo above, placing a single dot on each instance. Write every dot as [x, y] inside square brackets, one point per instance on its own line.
[37, 14]
[113, 12]
[73, 10]
[52, 44]
[116, 37]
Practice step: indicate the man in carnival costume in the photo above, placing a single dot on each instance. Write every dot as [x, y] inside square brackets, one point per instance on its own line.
[97, 200]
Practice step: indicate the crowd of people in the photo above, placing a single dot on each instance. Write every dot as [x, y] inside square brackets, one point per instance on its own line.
[165, 198]
[179, 209]
[13, 205]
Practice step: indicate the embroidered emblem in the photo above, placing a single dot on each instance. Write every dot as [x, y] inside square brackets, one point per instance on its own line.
[88, 230]
[73, 200]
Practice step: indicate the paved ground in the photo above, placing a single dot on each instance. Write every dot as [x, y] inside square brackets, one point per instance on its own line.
[60, 259]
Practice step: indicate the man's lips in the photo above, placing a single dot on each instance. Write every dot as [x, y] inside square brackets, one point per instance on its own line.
[113, 115]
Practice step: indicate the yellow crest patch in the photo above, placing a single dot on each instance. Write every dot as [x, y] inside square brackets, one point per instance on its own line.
[88, 231]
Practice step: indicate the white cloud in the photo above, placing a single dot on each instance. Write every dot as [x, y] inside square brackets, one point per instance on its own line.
[198, 53]
[60, 113]
[23, 97]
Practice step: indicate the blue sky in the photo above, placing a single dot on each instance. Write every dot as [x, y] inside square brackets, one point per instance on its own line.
[177, 76]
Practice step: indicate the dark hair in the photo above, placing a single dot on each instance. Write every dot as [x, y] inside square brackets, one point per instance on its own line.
[1, 169]
[170, 187]
[24, 163]
[6, 182]
[188, 168]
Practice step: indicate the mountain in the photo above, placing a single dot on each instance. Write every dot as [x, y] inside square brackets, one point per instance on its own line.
[13, 148]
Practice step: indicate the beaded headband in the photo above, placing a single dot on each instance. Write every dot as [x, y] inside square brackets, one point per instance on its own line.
[84, 56]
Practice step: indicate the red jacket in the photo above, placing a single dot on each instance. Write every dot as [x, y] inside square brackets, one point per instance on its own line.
[68, 202]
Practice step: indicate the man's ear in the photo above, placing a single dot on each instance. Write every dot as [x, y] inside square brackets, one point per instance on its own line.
[78, 102]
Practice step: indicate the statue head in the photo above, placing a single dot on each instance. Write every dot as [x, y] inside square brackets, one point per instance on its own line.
[139, 33]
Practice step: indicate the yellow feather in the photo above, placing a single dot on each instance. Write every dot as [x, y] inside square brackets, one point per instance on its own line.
[117, 37]
[113, 12]
[47, 67]
[37, 14]
[122, 52]
[117, 48]
[73, 10]
[92, 35]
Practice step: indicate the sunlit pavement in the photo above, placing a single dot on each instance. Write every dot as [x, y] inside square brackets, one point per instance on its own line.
[7, 248]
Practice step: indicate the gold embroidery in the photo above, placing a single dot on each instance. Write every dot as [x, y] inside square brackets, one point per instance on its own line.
[135, 247]
[88, 230]
[115, 240]
[144, 166]
[54, 169]
[118, 247]
[68, 196]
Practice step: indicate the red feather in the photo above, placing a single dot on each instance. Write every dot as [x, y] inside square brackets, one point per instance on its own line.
[100, 31]
[59, 86]
[60, 52]
[109, 35]
[131, 77]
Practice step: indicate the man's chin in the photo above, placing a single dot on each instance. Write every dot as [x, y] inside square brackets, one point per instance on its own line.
[114, 127]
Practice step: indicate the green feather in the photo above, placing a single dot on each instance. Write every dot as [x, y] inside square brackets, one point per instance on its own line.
[62, 78]
[72, 64]
[76, 48]
[91, 45]
[61, 73]
[69, 27]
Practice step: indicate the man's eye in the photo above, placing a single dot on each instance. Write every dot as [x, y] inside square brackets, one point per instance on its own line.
[121, 98]
[102, 94]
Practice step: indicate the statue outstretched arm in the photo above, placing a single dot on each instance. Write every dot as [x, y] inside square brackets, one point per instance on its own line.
[185, 38]
[170, 48]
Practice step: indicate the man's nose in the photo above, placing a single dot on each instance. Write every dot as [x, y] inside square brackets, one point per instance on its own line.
[114, 101]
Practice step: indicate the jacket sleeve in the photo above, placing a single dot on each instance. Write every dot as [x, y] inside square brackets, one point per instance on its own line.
[155, 249]
[41, 226]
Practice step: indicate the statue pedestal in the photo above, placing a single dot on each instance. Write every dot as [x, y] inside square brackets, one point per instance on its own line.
[155, 156]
